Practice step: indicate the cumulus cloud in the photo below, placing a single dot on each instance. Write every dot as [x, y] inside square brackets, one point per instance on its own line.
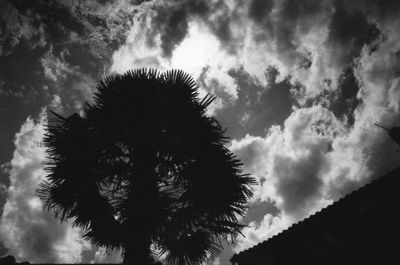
[299, 84]
[291, 162]
[309, 163]
[29, 233]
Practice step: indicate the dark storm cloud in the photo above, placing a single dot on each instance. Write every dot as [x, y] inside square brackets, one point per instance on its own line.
[346, 101]
[299, 181]
[257, 107]
[258, 209]
[346, 26]
[259, 9]
[342, 101]
[378, 10]
[288, 17]
[349, 30]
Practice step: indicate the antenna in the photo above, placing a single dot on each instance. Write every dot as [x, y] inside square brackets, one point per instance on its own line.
[380, 125]
[394, 132]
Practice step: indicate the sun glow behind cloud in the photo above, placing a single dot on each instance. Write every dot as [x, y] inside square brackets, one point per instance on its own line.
[195, 51]
[200, 54]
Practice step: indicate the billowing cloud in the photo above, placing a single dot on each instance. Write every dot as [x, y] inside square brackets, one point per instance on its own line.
[306, 42]
[309, 163]
[290, 163]
[299, 85]
[29, 233]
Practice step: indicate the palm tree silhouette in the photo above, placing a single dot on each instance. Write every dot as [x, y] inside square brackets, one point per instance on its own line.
[145, 170]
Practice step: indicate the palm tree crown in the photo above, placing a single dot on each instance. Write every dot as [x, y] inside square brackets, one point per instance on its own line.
[146, 170]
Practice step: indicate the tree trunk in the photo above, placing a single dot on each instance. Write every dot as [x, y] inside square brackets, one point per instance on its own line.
[142, 208]
[137, 252]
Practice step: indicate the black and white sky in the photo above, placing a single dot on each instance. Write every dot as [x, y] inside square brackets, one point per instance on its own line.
[299, 86]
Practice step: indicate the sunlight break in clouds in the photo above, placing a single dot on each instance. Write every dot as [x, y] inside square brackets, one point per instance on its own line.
[27, 231]
[200, 54]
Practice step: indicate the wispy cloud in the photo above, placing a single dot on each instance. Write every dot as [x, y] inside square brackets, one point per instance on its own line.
[55, 68]
[19, 27]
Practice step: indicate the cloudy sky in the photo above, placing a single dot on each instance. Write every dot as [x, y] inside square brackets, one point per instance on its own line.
[299, 86]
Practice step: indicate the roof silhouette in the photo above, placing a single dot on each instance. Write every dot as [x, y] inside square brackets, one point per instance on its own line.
[361, 228]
